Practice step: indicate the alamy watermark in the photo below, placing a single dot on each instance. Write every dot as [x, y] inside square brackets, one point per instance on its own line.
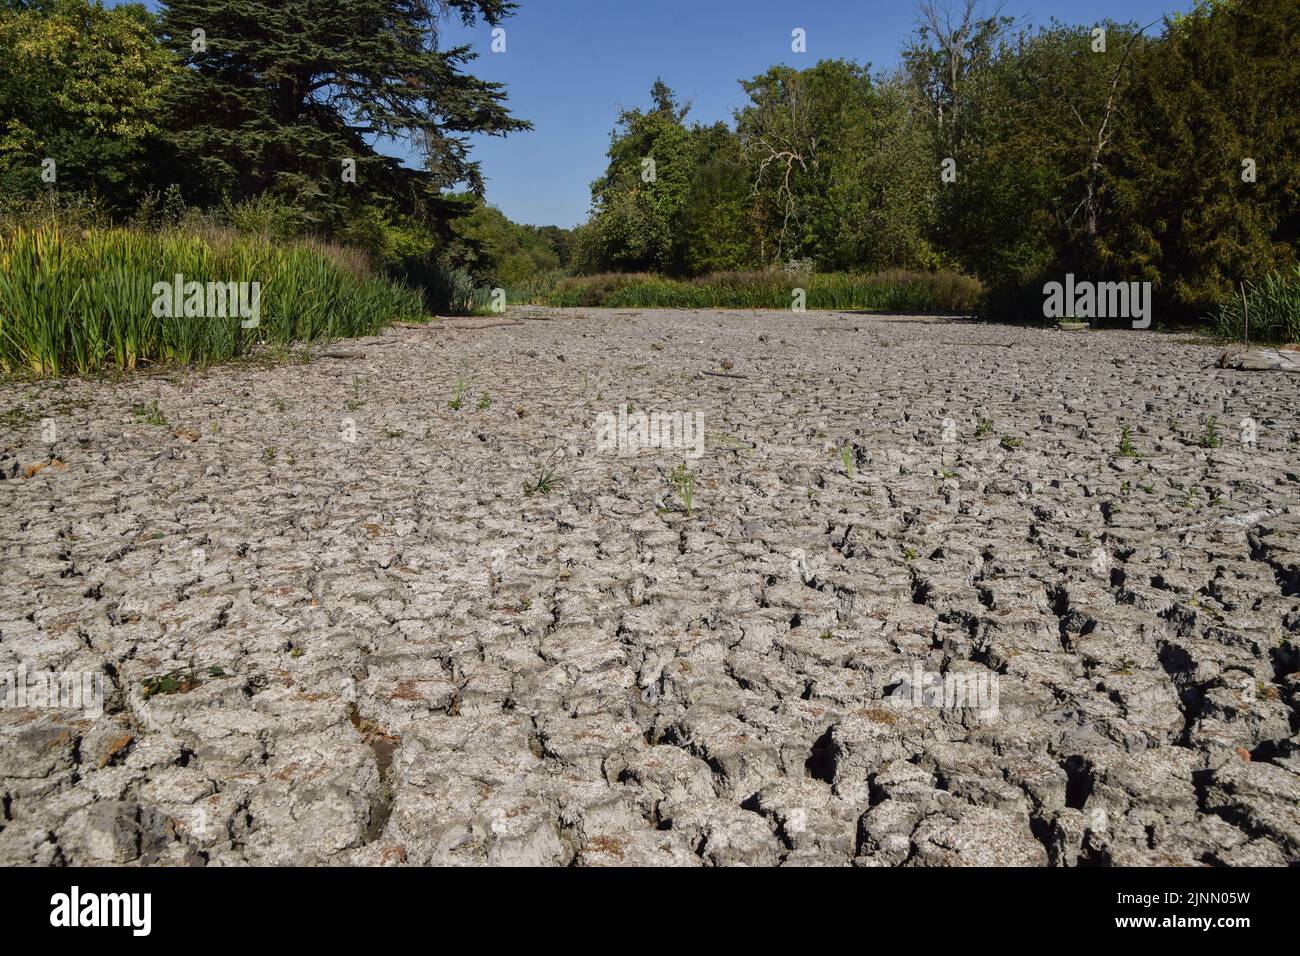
[212, 300]
[629, 432]
[1098, 300]
[967, 690]
[65, 690]
[75, 908]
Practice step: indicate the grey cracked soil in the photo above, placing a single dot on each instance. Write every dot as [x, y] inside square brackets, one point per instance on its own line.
[322, 650]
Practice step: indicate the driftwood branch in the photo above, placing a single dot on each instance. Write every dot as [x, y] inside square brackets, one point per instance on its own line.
[484, 325]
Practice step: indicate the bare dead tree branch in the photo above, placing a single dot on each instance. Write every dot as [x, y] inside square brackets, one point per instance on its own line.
[1090, 204]
[783, 143]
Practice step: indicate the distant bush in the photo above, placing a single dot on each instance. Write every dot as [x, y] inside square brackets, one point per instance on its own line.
[81, 300]
[1273, 307]
[895, 290]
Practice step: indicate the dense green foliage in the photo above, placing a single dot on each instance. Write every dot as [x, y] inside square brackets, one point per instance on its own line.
[1220, 88]
[893, 290]
[82, 301]
[82, 86]
[821, 166]
[239, 114]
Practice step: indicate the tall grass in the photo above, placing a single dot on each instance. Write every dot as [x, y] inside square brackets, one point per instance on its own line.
[894, 290]
[539, 289]
[80, 300]
[1273, 305]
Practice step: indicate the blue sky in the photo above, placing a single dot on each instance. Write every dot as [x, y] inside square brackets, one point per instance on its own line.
[570, 64]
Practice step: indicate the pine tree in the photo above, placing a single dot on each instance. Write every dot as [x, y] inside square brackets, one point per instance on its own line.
[277, 96]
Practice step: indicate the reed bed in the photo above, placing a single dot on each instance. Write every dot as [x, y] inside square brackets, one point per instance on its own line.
[80, 301]
[1272, 305]
[894, 290]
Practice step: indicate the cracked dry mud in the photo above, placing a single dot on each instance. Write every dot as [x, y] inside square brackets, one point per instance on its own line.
[399, 657]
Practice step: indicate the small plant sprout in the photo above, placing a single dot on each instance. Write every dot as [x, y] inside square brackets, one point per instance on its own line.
[173, 682]
[547, 479]
[682, 480]
[1211, 438]
[356, 400]
[945, 474]
[149, 413]
[1009, 443]
[910, 553]
[458, 392]
[484, 402]
[984, 429]
[846, 456]
[1126, 449]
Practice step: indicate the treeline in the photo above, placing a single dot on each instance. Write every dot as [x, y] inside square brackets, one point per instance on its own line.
[1166, 152]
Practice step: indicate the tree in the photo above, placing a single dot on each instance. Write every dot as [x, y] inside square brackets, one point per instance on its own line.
[779, 140]
[1184, 208]
[839, 166]
[277, 96]
[713, 232]
[1032, 165]
[81, 85]
[952, 42]
[636, 204]
[497, 252]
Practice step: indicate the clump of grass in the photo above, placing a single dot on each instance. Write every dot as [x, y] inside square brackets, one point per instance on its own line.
[1272, 305]
[846, 456]
[356, 401]
[458, 391]
[1126, 449]
[148, 413]
[1211, 437]
[682, 480]
[1009, 443]
[484, 402]
[547, 480]
[984, 429]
